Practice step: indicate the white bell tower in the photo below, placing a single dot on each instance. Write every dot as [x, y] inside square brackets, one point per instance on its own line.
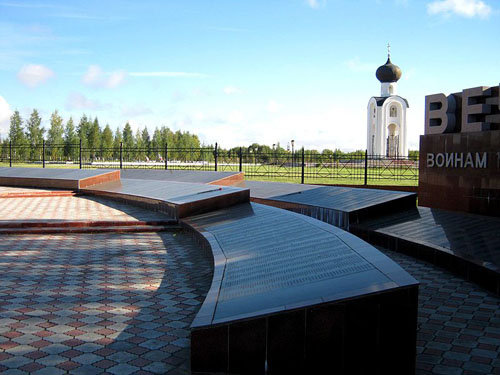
[386, 118]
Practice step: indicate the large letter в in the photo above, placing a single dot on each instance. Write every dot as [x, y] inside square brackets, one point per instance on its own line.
[440, 114]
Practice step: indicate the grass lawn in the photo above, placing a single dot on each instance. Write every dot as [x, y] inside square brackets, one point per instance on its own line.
[313, 175]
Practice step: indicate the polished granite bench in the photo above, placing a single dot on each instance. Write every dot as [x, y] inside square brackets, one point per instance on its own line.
[465, 244]
[74, 179]
[336, 205]
[176, 199]
[299, 296]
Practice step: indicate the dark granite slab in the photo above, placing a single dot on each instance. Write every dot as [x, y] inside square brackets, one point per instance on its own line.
[201, 177]
[342, 198]
[51, 173]
[339, 206]
[466, 235]
[277, 260]
[268, 189]
[176, 199]
[296, 295]
[168, 191]
[56, 178]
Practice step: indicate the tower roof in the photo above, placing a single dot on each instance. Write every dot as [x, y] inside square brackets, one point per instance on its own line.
[388, 72]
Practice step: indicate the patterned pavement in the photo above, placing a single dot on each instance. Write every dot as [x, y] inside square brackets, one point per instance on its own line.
[122, 303]
[459, 323]
[10, 189]
[99, 303]
[72, 208]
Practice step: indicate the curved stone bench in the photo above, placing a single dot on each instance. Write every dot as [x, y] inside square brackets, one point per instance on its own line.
[298, 295]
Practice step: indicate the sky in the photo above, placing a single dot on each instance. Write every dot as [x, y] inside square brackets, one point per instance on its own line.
[239, 72]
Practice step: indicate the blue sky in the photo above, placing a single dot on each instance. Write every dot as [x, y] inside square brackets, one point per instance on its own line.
[237, 72]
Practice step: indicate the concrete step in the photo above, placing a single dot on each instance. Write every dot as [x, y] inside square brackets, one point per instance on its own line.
[39, 194]
[13, 224]
[98, 229]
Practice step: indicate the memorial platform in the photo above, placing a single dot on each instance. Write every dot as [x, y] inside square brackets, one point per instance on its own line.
[466, 244]
[199, 177]
[289, 292]
[176, 199]
[301, 294]
[162, 193]
[339, 206]
[74, 179]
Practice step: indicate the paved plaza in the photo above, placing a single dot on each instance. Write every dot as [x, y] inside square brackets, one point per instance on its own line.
[99, 303]
[459, 323]
[122, 303]
[71, 208]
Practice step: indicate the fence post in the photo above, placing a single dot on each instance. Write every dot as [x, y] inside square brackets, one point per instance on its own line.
[303, 166]
[43, 153]
[10, 154]
[121, 155]
[366, 167]
[241, 160]
[215, 155]
[80, 154]
[166, 155]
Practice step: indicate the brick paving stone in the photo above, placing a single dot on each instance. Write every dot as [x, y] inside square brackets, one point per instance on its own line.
[470, 322]
[123, 369]
[95, 303]
[72, 208]
[132, 296]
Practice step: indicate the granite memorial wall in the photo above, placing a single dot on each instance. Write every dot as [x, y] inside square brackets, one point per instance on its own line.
[460, 152]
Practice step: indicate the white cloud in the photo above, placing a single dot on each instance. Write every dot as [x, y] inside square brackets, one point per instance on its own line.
[409, 74]
[322, 127]
[273, 106]
[77, 100]
[96, 77]
[178, 96]
[231, 90]
[315, 4]
[33, 75]
[136, 110]
[464, 8]
[5, 113]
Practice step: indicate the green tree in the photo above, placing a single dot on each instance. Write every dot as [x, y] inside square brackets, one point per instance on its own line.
[83, 131]
[34, 135]
[34, 130]
[4, 150]
[157, 145]
[146, 141]
[107, 142]
[128, 137]
[16, 131]
[138, 153]
[413, 154]
[71, 141]
[94, 135]
[117, 141]
[128, 143]
[55, 135]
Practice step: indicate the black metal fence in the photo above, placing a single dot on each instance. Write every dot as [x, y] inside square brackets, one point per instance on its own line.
[299, 166]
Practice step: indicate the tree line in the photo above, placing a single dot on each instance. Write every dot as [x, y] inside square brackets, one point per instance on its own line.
[62, 140]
